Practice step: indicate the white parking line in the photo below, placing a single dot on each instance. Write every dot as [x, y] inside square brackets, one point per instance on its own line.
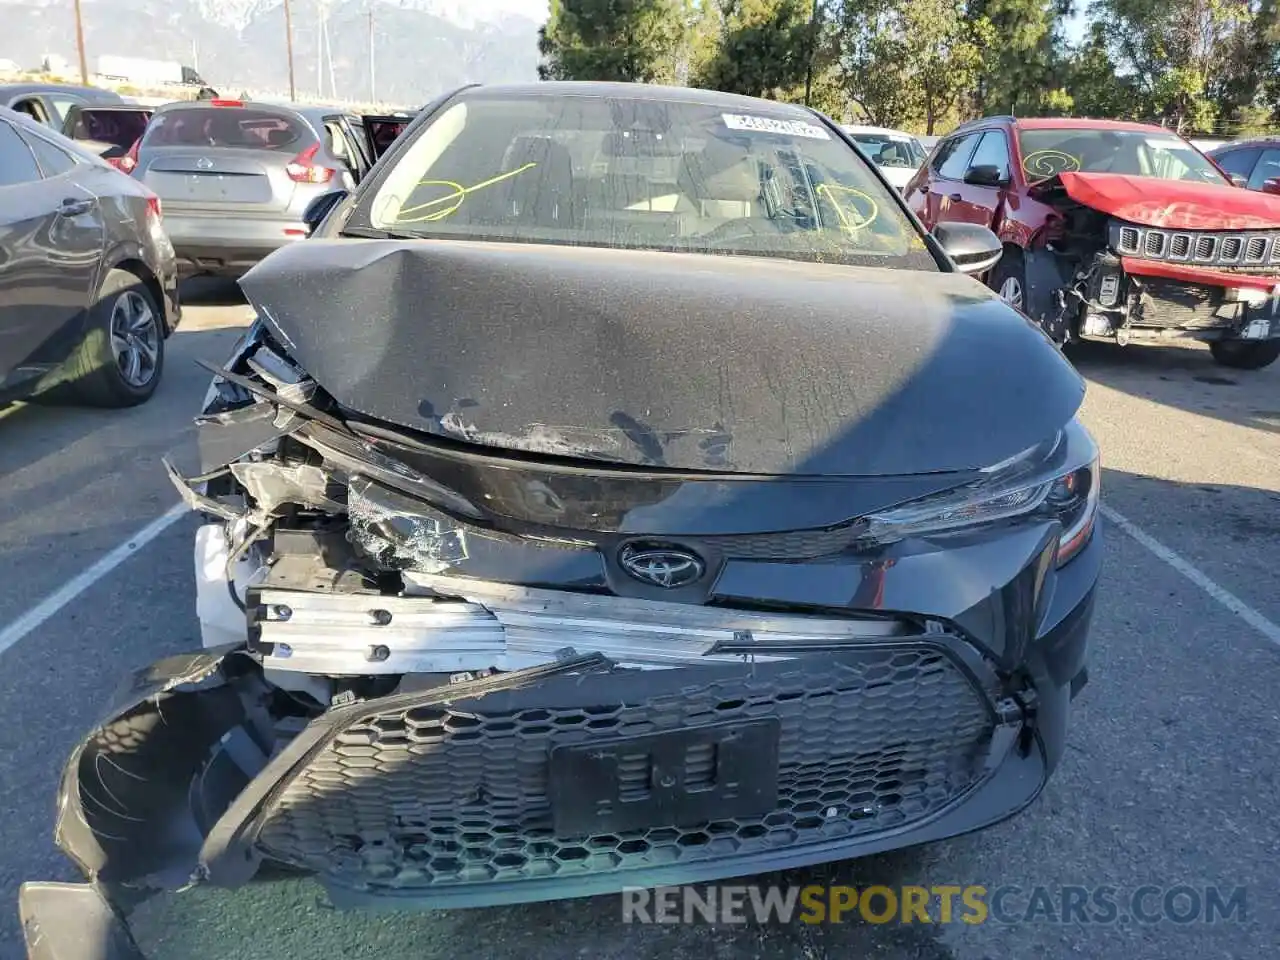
[1195, 575]
[82, 581]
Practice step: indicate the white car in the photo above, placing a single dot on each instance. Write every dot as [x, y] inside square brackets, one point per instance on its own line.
[897, 154]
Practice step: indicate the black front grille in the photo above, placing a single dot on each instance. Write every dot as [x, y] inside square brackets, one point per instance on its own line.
[452, 794]
[1185, 306]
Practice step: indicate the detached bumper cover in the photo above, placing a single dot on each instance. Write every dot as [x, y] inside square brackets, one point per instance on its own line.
[569, 779]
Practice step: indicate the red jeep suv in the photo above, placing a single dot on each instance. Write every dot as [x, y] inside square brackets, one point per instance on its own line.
[1114, 231]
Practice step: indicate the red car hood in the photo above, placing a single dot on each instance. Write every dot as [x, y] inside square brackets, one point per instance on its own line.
[1173, 204]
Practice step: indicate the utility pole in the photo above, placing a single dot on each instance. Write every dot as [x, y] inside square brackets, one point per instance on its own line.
[373, 88]
[813, 42]
[84, 63]
[288, 43]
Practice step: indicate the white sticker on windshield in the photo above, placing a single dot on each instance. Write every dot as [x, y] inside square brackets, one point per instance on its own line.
[789, 128]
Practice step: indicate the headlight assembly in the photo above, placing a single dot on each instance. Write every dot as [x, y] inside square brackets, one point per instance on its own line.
[1058, 480]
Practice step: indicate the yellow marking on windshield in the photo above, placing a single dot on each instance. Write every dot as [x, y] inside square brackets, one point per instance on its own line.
[458, 194]
[1043, 164]
[851, 218]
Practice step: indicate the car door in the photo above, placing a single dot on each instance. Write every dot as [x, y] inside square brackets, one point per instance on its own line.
[1239, 162]
[940, 188]
[381, 132]
[1267, 167]
[51, 239]
[978, 202]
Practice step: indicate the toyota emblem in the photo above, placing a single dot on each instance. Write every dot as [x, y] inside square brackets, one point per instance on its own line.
[204, 163]
[661, 566]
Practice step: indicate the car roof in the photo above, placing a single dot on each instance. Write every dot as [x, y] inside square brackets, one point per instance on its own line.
[1262, 140]
[115, 106]
[89, 93]
[711, 98]
[1083, 123]
[888, 131]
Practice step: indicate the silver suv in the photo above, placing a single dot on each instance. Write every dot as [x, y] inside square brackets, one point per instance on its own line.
[236, 177]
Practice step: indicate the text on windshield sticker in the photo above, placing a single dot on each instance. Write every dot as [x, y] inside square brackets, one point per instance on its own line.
[789, 128]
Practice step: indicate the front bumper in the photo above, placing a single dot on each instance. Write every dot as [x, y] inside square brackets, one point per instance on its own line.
[458, 793]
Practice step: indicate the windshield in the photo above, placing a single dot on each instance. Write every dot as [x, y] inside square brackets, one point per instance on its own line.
[644, 174]
[1139, 153]
[890, 151]
[224, 127]
[118, 127]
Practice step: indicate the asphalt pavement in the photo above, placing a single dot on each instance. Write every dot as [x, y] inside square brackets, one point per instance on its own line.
[1170, 779]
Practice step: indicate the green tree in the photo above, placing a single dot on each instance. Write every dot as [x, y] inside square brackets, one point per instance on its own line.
[1020, 69]
[911, 61]
[621, 40]
[759, 48]
[1093, 86]
[1191, 60]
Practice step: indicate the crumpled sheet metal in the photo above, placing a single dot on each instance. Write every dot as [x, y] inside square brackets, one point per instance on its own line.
[1170, 204]
[141, 789]
[710, 363]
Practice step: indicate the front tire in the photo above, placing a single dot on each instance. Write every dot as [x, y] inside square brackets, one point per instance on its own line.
[1009, 279]
[1245, 354]
[120, 360]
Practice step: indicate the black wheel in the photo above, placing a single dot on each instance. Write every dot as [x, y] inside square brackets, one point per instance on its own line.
[1009, 279]
[1245, 354]
[119, 362]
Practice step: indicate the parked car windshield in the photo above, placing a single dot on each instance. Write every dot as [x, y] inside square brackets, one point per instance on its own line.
[224, 127]
[1140, 153]
[644, 173]
[118, 127]
[890, 151]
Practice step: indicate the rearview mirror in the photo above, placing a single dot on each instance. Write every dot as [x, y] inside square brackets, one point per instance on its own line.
[972, 248]
[1271, 186]
[320, 207]
[985, 175]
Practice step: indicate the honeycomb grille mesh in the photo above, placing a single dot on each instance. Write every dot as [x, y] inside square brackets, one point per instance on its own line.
[448, 795]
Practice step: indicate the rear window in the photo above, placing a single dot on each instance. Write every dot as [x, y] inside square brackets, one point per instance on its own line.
[226, 127]
[118, 127]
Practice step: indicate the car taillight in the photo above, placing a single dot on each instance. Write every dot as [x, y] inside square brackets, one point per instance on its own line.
[227, 103]
[302, 169]
[129, 162]
[153, 206]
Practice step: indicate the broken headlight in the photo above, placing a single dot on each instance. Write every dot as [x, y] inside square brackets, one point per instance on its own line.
[1058, 480]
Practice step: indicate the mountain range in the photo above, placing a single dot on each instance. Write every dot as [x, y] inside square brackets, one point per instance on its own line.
[420, 47]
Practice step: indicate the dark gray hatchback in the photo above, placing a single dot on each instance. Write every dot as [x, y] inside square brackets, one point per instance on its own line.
[619, 489]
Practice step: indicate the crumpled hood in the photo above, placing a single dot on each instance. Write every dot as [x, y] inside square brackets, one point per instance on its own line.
[1172, 204]
[689, 362]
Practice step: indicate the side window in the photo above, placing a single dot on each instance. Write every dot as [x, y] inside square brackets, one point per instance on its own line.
[63, 106]
[1268, 167]
[956, 162]
[32, 107]
[993, 150]
[17, 165]
[54, 161]
[1239, 162]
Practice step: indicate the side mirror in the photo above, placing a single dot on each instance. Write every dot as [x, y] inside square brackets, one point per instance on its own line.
[1238, 180]
[320, 207]
[1271, 186]
[973, 248]
[985, 175]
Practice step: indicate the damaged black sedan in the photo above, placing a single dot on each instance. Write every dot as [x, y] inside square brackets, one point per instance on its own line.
[620, 488]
